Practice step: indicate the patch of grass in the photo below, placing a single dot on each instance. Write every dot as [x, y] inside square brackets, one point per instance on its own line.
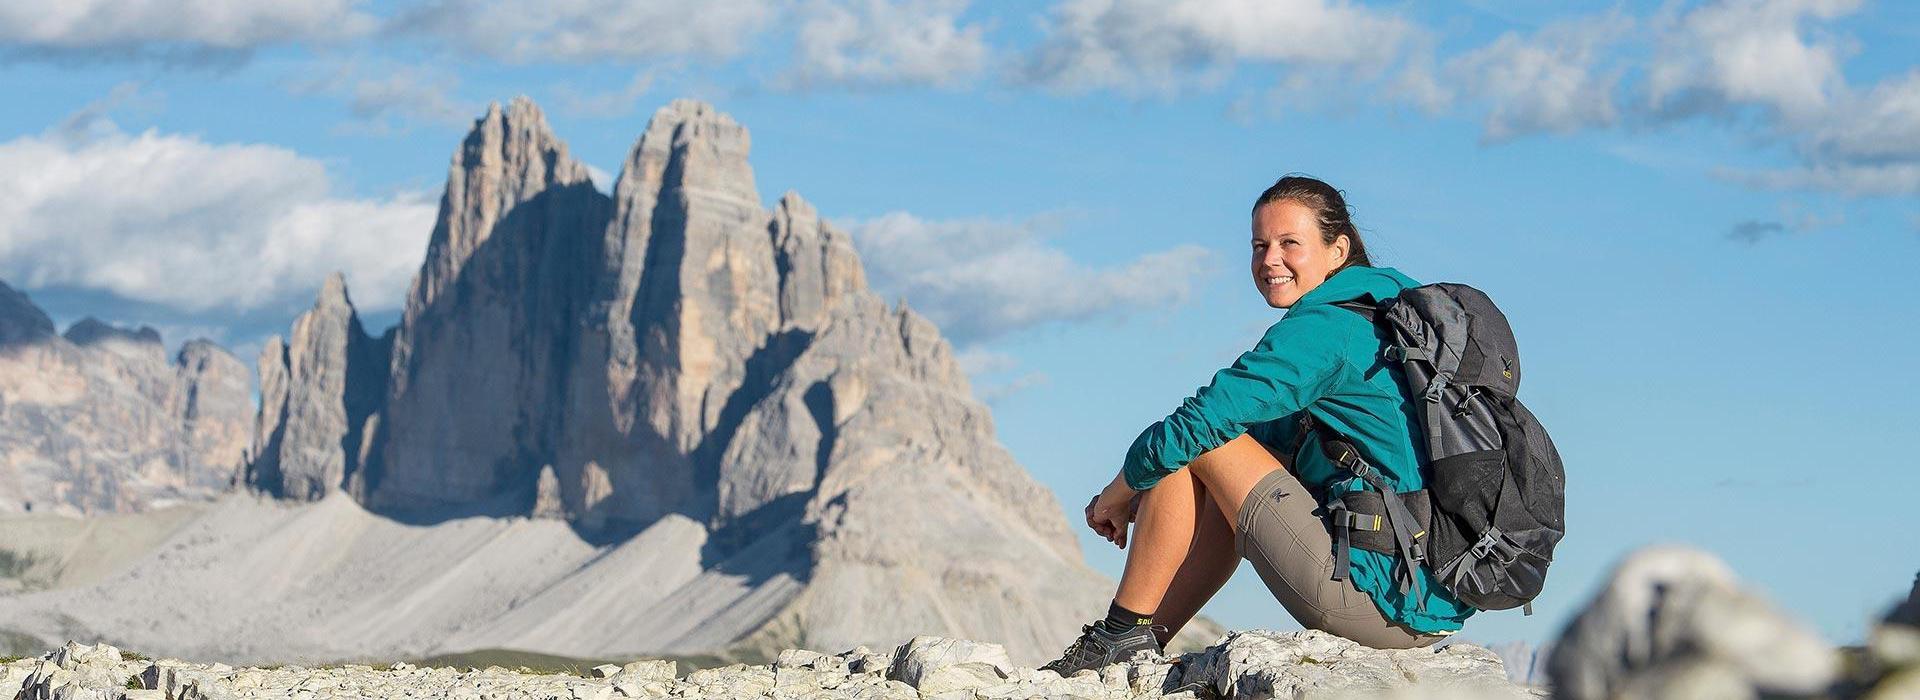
[133, 656]
[4, 660]
[133, 683]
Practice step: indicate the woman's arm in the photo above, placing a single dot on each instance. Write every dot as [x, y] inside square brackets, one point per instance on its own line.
[1294, 364]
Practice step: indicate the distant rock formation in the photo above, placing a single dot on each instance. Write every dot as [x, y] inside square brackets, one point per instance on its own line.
[317, 392]
[674, 363]
[21, 321]
[102, 420]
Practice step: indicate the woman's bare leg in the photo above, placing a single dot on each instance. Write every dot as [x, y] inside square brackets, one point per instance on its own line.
[1210, 561]
[1162, 536]
[1229, 472]
[1181, 553]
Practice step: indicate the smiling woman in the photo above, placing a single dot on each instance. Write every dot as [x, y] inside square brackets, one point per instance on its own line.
[1302, 234]
[1232, 474]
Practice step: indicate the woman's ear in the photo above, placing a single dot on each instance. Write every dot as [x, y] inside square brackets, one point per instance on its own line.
[1341, 247]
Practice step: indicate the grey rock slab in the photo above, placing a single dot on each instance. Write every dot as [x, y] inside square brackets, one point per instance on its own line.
[1674, 615]
[935, 665]
[1314, 664]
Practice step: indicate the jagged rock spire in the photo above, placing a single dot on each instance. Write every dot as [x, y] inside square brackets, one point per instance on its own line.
[317, 390]
[508, 157]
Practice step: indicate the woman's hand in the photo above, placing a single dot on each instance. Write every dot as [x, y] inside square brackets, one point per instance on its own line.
[1109, 512]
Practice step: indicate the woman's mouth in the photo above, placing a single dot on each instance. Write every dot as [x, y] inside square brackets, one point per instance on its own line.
[1277, 281]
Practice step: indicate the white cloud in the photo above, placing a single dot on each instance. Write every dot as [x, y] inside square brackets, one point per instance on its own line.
[615, 103]
[992, 374]
[1881, 125]
[1547, 82]
[388, 98]
[1734, 53]
[880, 43]
[590, 30]
[995, 392]
[193, 225]
[1873, 179]
[1148, 46]
[143, 28]
[979, 362]
[980, 278]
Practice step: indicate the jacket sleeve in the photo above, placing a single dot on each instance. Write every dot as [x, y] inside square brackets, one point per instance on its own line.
[1295, 363]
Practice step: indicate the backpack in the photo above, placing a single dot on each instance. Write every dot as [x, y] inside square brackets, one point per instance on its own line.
[1494, 506]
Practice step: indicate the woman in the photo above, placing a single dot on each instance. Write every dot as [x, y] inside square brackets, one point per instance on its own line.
[1218, 479]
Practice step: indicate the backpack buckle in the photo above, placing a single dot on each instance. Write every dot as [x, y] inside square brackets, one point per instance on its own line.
[1395, 353]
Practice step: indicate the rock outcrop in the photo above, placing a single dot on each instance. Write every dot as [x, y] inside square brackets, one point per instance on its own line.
[1310, 666]
[318, 391]
[101, 419]
[1674, 622]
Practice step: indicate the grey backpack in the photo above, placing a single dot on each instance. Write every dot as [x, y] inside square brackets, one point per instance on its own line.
[1494, 505]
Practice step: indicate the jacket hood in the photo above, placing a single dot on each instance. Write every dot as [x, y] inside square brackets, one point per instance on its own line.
[1357, 282]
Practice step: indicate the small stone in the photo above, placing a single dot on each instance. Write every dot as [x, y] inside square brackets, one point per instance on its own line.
[651, 670]
[603, 671]
[935, 665]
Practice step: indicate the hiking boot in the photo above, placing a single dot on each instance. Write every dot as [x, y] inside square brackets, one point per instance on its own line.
[1098, 648]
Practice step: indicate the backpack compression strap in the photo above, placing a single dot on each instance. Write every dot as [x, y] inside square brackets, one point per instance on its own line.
[1406, 527]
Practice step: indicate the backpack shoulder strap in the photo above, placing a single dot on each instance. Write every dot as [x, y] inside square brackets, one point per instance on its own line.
[1366, 309]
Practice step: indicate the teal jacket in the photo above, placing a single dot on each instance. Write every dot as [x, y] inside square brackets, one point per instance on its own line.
[1325, 361]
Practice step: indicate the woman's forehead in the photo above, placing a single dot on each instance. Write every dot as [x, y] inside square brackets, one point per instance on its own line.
[1283, 218]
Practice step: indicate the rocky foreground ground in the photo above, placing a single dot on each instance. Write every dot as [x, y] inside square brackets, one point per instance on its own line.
[1670, 623]
[1244, 664]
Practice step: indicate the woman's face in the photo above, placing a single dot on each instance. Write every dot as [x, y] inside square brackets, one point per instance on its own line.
[1288, 258]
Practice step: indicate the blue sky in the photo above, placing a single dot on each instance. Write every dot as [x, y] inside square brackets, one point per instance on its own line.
[1698, 216]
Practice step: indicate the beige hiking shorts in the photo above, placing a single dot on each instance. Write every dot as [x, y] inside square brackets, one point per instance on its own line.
[1292, 549]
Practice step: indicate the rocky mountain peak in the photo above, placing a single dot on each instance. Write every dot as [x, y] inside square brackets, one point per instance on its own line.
[679, 361]
[20, 320]
[317, 390]
[333, 293]
[508, 157]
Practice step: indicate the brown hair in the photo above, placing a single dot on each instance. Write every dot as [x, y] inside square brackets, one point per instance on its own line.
[1329, 208]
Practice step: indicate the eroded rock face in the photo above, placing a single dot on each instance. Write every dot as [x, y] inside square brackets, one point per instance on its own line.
[477, 371]
[1674, 622]
[101, 419]
[319, 391]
